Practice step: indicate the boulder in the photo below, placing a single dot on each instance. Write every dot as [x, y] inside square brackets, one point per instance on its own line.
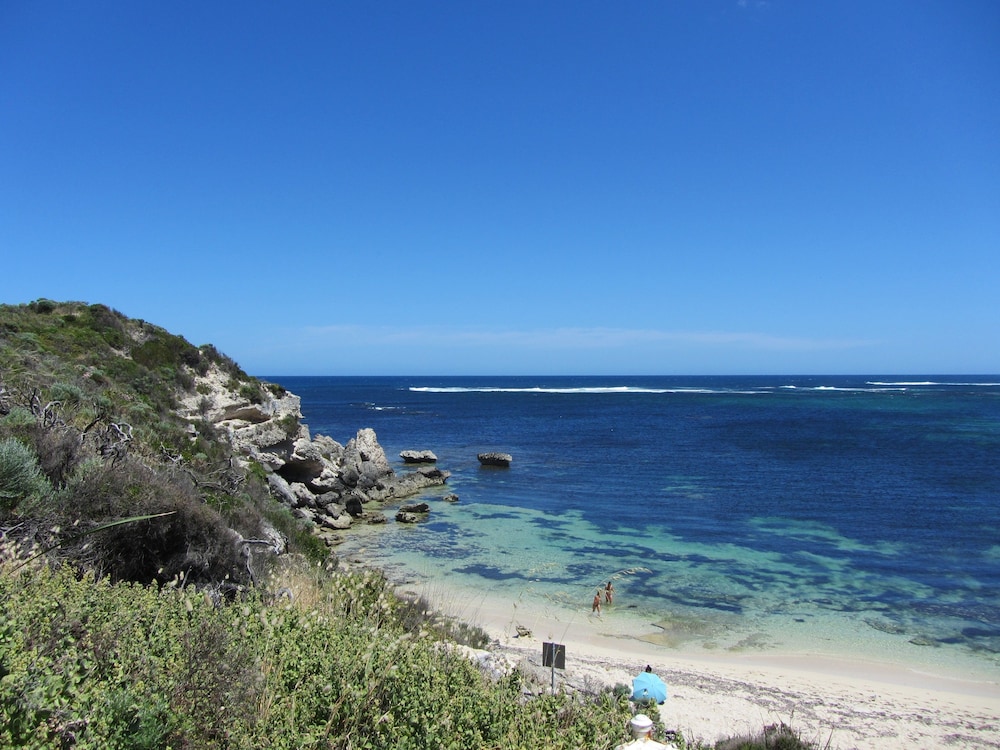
[418, 457]
[282, 490]
[306, 457]
[366, 455]
[329, 448]
[495, 459]
[403, 517]
[416, 508]
[303, 495]
[337, 524]
[354, 506]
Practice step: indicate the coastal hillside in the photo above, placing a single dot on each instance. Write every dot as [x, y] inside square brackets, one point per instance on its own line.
[127, 419]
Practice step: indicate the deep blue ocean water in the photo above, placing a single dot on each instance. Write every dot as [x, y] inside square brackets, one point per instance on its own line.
[817, 514]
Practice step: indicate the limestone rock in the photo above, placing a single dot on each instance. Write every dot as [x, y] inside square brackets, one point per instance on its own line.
[416, 508]
[367, 455]
[495, 459]
[339, 523]
[321, 480]
[303, 495]
[418, 457]
[282, 490]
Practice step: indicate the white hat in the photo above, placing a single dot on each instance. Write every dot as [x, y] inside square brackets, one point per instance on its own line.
[641, 723]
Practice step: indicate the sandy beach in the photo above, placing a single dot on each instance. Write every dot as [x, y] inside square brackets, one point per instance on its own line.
[838, 703]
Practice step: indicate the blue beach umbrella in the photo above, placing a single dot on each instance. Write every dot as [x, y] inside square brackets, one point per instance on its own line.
[647, 686]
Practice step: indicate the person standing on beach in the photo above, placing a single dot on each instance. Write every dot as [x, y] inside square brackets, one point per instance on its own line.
[597, 603]
[609, 592]
[642, 735]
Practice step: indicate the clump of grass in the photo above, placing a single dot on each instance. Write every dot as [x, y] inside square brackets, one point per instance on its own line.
[778, 736]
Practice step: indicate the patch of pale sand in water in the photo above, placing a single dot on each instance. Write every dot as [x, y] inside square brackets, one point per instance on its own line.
[840, 704]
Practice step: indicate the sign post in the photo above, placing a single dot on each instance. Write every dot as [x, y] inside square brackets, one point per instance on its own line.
[554, 655]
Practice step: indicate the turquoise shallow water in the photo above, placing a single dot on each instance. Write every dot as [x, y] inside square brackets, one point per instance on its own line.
[838, 516]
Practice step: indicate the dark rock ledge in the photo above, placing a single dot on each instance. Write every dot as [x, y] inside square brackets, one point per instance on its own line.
[418, 457]
[495, 459]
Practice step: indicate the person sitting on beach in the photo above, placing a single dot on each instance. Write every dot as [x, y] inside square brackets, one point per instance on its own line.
[609, 592]
[597, 602]
[642, 735]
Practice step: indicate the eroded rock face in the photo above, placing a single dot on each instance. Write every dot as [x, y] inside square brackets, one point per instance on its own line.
[321, 480]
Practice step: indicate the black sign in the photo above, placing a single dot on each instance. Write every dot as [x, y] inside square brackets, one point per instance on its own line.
[554, 655]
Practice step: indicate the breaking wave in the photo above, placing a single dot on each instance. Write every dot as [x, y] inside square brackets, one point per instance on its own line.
[603, 390]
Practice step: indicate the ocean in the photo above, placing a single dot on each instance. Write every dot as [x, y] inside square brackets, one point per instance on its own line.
[839, 516]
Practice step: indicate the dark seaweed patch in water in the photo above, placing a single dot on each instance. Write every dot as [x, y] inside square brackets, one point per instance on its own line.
[579, 571]
[441, 527]
[951, 640]
[716, 603]
[491, 573]
[695, 559]
[499, 514]
[696, 599]
[965, 610]
[842, 606]
[450, 553]
[550, 522]
[980, 633]
[555, 534]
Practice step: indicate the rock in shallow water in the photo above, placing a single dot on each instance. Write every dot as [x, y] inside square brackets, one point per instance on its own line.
[418, 457]
[495, 459]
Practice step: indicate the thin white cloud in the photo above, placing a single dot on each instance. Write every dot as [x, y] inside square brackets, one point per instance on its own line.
[572, 338]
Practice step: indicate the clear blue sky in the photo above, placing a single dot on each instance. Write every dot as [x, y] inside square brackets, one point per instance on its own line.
[504, 187]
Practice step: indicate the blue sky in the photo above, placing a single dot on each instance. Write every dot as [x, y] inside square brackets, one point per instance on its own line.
[668, 187]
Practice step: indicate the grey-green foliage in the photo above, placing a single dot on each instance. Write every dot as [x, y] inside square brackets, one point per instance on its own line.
[20, 478]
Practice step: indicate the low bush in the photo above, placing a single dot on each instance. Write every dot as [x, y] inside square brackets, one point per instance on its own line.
[773, 737]
[59, 452]
[21, 480]
[193, 541]
[330, 667]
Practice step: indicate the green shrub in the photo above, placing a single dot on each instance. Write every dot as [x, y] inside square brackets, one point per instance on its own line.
[18, 419]
[251, 391]
[78, 673]
[42, 306]
[21, 481]
[68, 394]
[110, 324]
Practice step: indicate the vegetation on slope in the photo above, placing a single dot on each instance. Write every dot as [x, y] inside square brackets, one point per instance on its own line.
[92, 397]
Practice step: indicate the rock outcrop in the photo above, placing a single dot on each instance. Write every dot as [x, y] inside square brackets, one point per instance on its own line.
[418, 457]
[317, 477]
[495, 459]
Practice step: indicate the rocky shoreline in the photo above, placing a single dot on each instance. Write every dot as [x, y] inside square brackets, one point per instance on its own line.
[319, 479]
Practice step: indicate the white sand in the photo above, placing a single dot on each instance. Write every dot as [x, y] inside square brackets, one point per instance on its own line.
[840, 704]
